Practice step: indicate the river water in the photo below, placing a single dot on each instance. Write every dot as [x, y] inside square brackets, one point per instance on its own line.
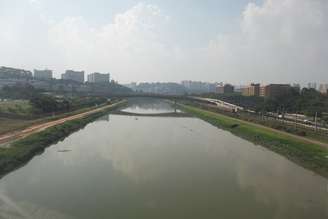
[124, 167]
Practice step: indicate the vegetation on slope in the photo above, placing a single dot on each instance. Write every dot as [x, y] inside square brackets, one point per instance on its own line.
[306, 101]
[19, 107]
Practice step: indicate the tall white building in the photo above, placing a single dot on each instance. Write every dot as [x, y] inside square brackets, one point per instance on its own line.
[198, 86]
[98, 78]
[42, 74]
[312, 85]
[323, 88]
[77, 76]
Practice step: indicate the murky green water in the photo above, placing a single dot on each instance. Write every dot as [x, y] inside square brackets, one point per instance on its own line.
[149, 167]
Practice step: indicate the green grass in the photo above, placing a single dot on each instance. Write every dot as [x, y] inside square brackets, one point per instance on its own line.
[20, 107]
[16, 123]
[309, 155]
[9, 125]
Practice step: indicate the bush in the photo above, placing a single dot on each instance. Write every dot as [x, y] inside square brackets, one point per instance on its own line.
[234, 126]
[301, 133]
[48, 104]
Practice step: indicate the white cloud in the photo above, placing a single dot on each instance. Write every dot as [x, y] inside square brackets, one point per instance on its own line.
[132, 43]
[33, 1]
[278, 41]
[131, 46]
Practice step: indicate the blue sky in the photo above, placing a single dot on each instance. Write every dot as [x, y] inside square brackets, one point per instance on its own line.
[239, 41]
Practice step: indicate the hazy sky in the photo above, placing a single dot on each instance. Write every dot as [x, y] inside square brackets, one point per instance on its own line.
[237, 41]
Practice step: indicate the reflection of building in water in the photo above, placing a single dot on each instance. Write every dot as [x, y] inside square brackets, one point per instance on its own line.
[148, 105]
[104, 118]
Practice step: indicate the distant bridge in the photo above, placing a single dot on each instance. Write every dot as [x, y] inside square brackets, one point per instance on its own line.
[169, 114]
[222, 105]
[151, 95]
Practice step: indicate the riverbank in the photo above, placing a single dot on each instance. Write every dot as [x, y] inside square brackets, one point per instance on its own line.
[14, 123]
[301, 151]
[49, 122]
[21, 151]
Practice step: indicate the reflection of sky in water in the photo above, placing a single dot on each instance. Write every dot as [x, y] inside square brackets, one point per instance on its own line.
[119, 167]
[148, 106]
[9, 209]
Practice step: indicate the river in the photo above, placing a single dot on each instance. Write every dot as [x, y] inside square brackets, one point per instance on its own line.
[124, 167]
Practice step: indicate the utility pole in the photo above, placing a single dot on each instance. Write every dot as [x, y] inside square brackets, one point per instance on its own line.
[175, 105]
[277, 117]
[315, 121]
[295, 121]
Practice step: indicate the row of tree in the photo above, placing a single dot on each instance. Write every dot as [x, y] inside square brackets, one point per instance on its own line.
[51, 104]
[45, 103]
[306, 101]
[18, 91]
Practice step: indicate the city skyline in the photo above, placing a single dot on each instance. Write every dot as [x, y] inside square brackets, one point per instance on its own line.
[265, 41]
[50, 75]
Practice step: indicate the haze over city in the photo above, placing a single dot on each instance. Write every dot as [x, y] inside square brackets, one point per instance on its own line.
[266, 41]
[156, 109]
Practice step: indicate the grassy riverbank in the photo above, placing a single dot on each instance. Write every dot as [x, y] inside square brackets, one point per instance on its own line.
[305, 153]
[14, 123]
[21, 151]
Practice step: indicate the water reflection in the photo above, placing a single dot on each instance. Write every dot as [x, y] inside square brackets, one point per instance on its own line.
[161, 168]
[149, 105]
[104, 118]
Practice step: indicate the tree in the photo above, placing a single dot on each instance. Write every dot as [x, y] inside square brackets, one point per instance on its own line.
[49, 104]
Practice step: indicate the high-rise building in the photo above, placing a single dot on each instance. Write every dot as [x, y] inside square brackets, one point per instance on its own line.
[77, 76]
[252, 90]
[323, 88]
[14, 73]
[312, 85]
[274, 90]
[227, 88]
[42, 74]
[297, 87]
[198, 86]
[98, 78]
